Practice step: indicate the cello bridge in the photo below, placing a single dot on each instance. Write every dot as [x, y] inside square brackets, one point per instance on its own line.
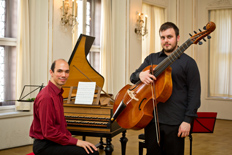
[132, 96]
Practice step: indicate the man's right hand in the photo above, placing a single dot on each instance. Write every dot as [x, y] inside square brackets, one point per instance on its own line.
[86, 145]
[146, 77]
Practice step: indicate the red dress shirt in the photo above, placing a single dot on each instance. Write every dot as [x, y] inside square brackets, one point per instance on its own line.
[49, 121]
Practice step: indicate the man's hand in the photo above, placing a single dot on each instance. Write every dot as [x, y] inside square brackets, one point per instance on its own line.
[184, 129]
[146, 77]
[86, 145]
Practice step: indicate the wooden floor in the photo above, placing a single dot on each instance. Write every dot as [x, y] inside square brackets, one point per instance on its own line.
[217, 143]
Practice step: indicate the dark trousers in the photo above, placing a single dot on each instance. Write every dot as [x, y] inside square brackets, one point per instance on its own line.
[170, 143]
[46, 147]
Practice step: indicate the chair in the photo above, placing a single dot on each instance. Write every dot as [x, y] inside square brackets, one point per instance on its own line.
[143, 145]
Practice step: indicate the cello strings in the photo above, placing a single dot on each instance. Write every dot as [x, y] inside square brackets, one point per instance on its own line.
[170, 59]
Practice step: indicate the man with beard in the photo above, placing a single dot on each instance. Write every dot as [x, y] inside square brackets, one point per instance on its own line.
[177, 113]
[49, 125]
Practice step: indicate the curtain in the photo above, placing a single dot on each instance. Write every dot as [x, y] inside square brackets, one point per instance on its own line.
[106, 45]
[23, 53]
[220, 55]
[151, 42]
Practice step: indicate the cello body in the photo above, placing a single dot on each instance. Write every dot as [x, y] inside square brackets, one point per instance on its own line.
[138, 99]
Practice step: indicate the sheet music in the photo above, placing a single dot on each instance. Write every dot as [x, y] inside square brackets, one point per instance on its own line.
[85, 92]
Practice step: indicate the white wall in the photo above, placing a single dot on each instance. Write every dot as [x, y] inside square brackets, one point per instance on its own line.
[14, 127]
[119, 34]
[62, 36]
[17, 133]
[135, 44]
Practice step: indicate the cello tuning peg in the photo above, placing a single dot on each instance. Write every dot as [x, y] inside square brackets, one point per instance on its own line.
[200, 30]
[200, 43]
[190, 34]
[209, 37]
[204, 39]
[195, 32]
[204, 28]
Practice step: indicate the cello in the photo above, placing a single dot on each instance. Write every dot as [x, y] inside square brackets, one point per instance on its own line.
[133, 107]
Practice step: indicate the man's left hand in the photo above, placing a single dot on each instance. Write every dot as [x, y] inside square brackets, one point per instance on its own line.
[184, 129]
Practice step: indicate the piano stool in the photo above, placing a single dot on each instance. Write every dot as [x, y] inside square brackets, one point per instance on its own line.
[30, 153]
[142, 144]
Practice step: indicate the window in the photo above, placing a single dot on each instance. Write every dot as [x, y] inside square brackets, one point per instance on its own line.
[220, 55]
[2, 32]
[8, 33]
[90, 12]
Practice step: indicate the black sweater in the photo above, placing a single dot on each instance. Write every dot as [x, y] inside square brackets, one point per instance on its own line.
[185, 98]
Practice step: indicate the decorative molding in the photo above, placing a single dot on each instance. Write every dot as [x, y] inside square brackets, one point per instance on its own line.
[127, 42]
[159, 3]
[50, 40]
[219, 3]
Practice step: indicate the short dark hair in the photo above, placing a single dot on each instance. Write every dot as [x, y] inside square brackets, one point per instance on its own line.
[54, 65]
[168, 25]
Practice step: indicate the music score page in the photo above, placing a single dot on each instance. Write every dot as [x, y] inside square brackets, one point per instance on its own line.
[85, 93]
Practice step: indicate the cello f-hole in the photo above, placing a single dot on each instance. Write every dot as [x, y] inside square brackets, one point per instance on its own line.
[141, 103]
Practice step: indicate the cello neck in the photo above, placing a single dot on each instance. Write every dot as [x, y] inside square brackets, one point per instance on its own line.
[210, 27]
[171, 58]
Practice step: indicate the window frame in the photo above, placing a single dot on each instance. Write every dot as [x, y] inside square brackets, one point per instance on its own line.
[94, 48]
[209, 97]
[8, 41]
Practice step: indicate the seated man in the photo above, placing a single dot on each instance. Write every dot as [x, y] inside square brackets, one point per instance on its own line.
[49, 125]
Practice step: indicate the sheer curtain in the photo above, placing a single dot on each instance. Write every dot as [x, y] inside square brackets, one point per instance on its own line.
[151, 42]
[23, 53]
[220, 55]
[106, 45]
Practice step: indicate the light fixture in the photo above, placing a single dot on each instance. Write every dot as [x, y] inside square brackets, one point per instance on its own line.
[69, 13]
[141, 25]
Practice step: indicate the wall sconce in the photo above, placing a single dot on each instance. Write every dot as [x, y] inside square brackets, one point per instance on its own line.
[69, 13]
[141, 24]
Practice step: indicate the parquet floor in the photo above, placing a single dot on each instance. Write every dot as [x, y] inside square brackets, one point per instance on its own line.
[217, 143]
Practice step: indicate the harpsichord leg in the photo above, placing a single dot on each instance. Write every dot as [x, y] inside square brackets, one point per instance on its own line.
[109, 147]
[123, 141]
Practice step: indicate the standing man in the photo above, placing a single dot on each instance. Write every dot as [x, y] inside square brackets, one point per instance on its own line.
[49, 125]
[177, 113]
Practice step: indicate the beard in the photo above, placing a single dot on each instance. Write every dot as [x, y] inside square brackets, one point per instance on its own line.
[170, 50]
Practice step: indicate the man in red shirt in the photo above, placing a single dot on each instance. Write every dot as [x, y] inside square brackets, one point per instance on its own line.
[49, 125]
